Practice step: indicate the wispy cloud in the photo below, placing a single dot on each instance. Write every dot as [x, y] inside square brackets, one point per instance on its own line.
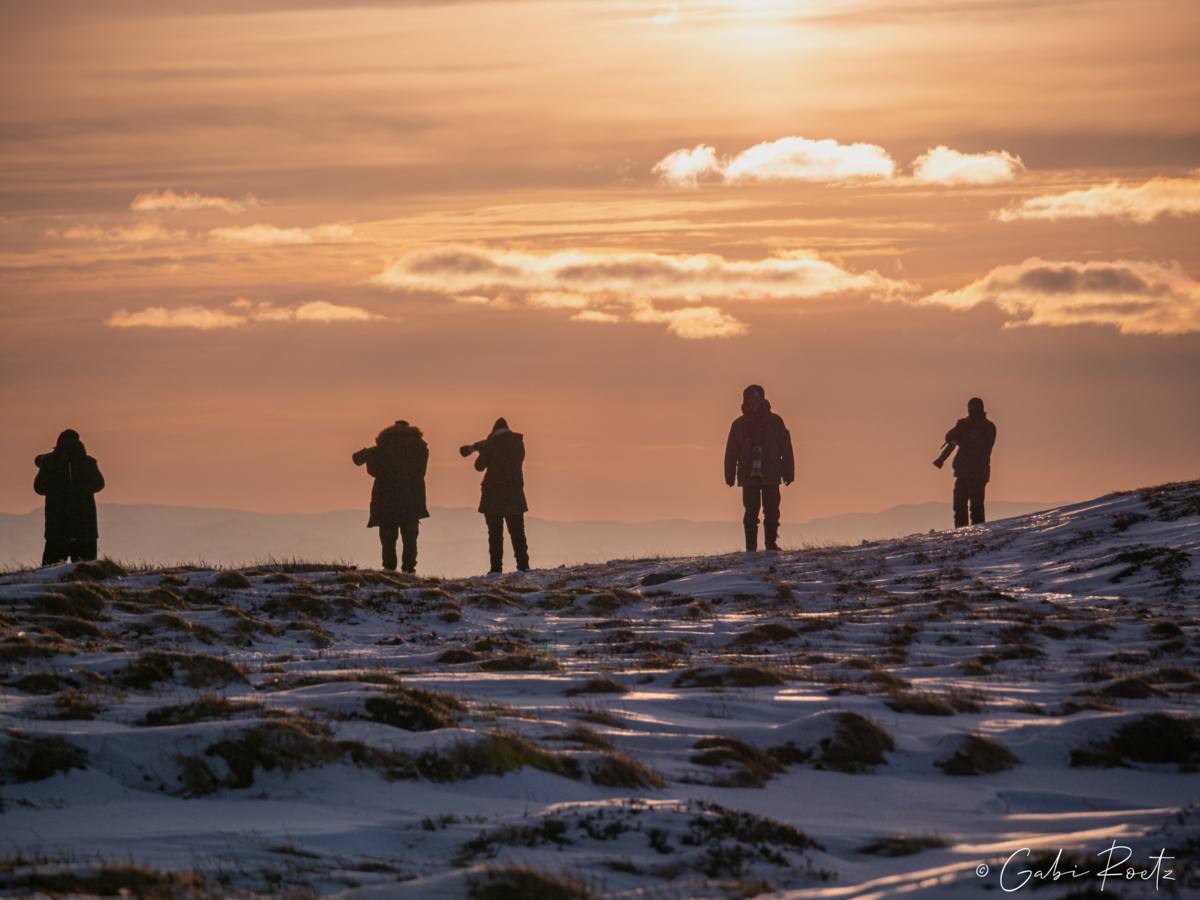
[658, 288]
[272, 235]
[237, 314]
[1134, 297]
[828, 161]
[941, 165]
[170, 201]
[1140, 203]
[140, 233]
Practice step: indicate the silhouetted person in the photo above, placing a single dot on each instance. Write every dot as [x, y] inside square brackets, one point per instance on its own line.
[397, 462]
[502, 492]
[974, 438]
[758, 455]
[69, 479]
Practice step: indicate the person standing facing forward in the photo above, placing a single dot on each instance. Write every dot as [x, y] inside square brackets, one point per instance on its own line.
[974, 437]
[502, 493]
[397, 462]
[69, 479]
[758, 456]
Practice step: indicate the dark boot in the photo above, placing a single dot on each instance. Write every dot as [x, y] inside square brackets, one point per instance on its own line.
[771, 537]
[752, 537]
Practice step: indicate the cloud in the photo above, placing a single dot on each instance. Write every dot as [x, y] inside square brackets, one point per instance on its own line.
[685, 168]
[692, 323]
[141, 233]
[941, 165]
[801, 159]
[545, 279]
[1139, 203]
[237, 314]
[658, 288]
[170, 201]
[1134, 297]
[827, 161]
[271, 235]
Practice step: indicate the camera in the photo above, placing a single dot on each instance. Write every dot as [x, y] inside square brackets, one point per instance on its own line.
[947, 449]
[467, 449]
[361, 456]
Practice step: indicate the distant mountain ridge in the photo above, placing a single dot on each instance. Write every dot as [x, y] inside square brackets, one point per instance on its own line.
[453, 540]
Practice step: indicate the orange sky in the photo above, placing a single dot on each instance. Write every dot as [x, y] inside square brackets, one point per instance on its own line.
[234, 244]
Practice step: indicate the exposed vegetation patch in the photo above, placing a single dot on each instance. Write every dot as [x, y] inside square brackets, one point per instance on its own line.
[26, 758]
[197, 670]
[498, 753]
[230, 581]
[923, 704]
[109, 880]
[614, 769]
[729, 676]
[977, 755]
[745, 764]
[599, 685]
[520, 662]
[1168, 563]
[79, 599]
[1155, 738]
[903, 844]
[767, 633]
[204, 709]
[513, 882]
[414, 709]
[857, 745]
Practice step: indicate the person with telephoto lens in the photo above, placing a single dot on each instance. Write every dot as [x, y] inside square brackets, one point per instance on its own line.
[758, 456]
[974, 438]
[69, 479]
[397, 462]
[502, 492]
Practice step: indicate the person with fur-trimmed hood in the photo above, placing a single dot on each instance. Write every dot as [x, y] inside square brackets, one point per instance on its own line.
[69, 479]
[502, 493]
[397, 462]
[758, 456]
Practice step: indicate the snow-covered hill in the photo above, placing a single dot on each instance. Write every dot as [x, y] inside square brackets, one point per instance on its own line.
[881, 720]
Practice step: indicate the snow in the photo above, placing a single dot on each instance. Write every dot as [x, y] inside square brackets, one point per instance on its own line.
[1046, 633]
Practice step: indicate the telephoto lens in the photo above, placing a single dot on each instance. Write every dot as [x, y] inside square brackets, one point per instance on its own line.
[466, 449]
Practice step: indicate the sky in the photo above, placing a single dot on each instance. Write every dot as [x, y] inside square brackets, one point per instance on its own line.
[237, 239]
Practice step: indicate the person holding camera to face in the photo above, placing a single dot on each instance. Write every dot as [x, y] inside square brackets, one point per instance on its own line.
[397, 462]
[69, 479]
[758, 456]
[502, 492]
[973, 437]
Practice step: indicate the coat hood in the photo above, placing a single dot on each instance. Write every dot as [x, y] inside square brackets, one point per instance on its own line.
[398, 433]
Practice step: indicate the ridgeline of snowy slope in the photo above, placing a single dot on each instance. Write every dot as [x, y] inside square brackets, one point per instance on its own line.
[879, 720]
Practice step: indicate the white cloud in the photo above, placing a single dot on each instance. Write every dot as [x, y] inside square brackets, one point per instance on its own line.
[685, 168]
[827, 161]
[661, 288]
[170, 201]
[1140, 203]
[801, 159]
[141, 233]
[271, 235]
[692, 322]
[237, 314]
[1134, 297]
[941, 165]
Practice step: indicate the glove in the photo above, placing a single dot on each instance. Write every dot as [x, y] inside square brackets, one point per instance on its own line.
[787, 482]
[728, 482]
